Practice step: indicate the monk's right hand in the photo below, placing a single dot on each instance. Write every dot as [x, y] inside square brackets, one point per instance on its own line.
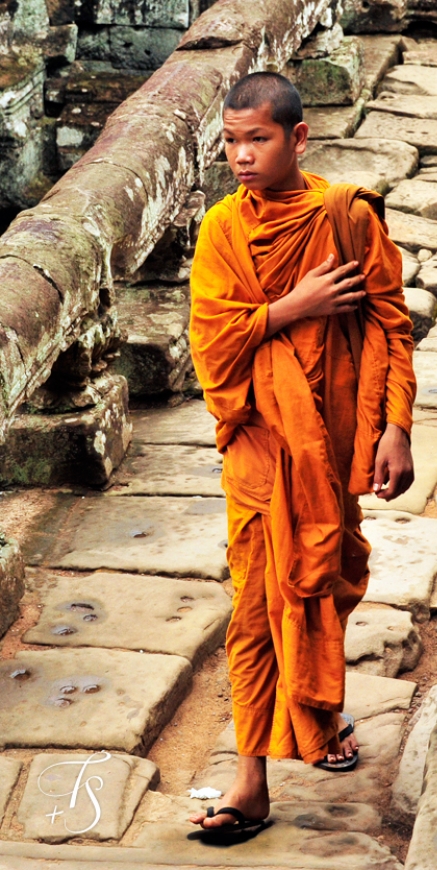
[323, 291]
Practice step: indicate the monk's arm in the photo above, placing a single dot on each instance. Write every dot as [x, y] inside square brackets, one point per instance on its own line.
[322, 291]
[383, 267]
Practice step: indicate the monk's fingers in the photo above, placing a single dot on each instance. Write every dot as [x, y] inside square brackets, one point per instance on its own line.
[324, 267]
[399, 482]
[342, 273]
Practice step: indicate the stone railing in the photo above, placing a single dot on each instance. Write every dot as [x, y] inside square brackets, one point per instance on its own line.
[104, 217]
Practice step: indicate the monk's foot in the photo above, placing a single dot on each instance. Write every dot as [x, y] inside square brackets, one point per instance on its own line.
[349, 746]
[249, 794]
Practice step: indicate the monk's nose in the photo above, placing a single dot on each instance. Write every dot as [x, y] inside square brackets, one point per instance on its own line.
[244, 154]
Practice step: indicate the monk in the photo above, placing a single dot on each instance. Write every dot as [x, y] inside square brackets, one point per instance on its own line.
[304, 353]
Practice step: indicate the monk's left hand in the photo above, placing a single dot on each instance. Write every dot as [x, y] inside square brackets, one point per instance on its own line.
[394, 464]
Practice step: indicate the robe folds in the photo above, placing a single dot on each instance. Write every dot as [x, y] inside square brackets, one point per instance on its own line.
[299, 432]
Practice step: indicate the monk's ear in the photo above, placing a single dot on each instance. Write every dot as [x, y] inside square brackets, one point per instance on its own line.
[300, 133]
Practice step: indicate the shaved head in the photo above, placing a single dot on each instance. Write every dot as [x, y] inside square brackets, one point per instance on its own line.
[258, 88]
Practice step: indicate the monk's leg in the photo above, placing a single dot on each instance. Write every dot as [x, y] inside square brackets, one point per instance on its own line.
[252, 669]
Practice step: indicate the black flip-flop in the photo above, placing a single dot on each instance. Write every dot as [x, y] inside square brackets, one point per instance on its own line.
[242, 823]
[348, 763]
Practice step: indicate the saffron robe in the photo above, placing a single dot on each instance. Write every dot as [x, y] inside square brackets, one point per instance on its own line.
[299, 437]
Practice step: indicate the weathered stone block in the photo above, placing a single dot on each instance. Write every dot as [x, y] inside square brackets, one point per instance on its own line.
[373, 16]
[429, 344]
[151, 13]
[411, 79]
[60, 43]
[334, 122]
[109, 788]
[376, 163]
[408, 784]
[169, 470]
[422, 306]
[410, 267]
[381, 640]
[218, 181]
[422, 133]
[144, 48]
[320, 44]
[152, 614]
[11, 582]
[189, 424]
[156, 354]
[79, 448]
[89, 698]
[335, 80]
[379, 54]
[417, 106]
[427, 276]
[411, 231]
[9, 772]
[425, 53]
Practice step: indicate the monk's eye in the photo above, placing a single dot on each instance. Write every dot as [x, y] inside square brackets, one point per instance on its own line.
[259, 139]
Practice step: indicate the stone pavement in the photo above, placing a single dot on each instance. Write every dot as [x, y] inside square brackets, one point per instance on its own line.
[131, 602]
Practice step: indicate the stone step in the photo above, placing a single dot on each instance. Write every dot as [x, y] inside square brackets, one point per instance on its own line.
[150, 614]
[408, 784]
[403, 562]
[171, 470]
[381, 640]
[373, 163]
[415, 196]
[89, 698]
[189, 423]
[419, 132]
[411, 231]
[422, 307]
[184, 537]
[426, 374]
[401, 104]
[411, 79]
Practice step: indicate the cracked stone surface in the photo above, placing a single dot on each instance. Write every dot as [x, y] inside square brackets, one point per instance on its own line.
[421, 854]
[422, 307]
[168, 470]
[426, 374]
[424, 448]
[381, 640]
[401, 104]
[153, 614]
[89, 698]
[410, 267]
[179, 536]
[411, 79]
[427, 276]
[411, 231]
[370, 162]
[407, 786]
[415, 196]
[9, 772]
[109, 789]
[403, 562]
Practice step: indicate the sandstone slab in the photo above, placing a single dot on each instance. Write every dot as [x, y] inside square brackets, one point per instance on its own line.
[71, 795]
[428, 173]
[426, 374]
[424, 53]
[334, 122]
[333, 80]
[11, 582]
[410, 267]
[218, 181]
[380, 52]
[421, 854]
[401, 104]
[9, 772]
[368, 695]
[411, 79]
[189, 423]
[422, 306]
[381, 640]
[403, 562]
[429, 343]
[360, 161]
[408, 784]
[170, 470]
[415, 196]
[152, 614]
[89, 698]
[427, 276]
[419, 132]
[424, 448]
[181, 536]
[411, 231]
[289, 841]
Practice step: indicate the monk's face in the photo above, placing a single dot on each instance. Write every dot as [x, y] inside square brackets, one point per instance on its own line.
[261, 154]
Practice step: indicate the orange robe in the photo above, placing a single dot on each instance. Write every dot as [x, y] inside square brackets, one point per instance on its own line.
[299, 438]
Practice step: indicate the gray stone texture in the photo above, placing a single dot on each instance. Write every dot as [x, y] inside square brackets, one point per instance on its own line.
[9, 772]
[76, 447]
[374, 16]
[410, 267]
[407, 786]
[190, 424]
[334, 122]
[419, 132]
[218, 181]
[415, 196]
[426, 374]
[430, 342]
[401, 104]
[335, 80]
[368, 695]
[89, 698]
[374, 163]
[151, 13]
[152, 614]
[381, 640]
[424, 449]
[421, 854]
[422, 306]
[135, 48]
[109, 789]
[179, 536]
[411, 79]
[403, 562]
[11, 581]
[427, 276]
[411, 231]
[168, 470]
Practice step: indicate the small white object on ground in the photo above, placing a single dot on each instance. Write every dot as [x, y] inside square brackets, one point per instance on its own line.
[205, 794]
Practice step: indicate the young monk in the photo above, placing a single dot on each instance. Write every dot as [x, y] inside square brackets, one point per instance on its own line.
[305, 424]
